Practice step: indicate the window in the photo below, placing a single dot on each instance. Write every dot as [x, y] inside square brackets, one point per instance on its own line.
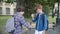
[0, 10]
[7, 10]
[14, 11]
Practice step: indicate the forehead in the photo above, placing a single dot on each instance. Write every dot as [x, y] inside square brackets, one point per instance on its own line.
[38, 6]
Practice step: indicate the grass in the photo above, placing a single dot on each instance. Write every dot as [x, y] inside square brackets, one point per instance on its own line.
[3, 20]
[52, 19]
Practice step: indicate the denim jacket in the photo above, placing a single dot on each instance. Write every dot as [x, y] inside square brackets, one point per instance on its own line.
[40, 26]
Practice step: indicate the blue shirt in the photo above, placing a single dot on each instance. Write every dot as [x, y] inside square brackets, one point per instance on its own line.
[40, 26]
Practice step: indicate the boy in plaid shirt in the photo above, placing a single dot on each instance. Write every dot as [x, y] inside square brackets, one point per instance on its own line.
[19, 21]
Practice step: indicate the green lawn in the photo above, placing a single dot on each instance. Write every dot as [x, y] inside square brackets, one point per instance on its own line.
[52, 19]
[3, 20]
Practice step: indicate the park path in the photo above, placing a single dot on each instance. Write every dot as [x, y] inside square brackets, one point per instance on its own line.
[31, 31]
[50, 31]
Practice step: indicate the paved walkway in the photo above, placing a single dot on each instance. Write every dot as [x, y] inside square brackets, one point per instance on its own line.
[50, 31]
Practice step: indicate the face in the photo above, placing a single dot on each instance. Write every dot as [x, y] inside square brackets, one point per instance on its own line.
[39, 10]
[22, 12]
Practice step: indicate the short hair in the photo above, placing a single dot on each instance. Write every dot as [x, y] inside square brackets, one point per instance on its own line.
[38, 6]
[20, 8]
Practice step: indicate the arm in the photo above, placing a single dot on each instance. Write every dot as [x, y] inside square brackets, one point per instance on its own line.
[22, 20]
[35, 18]
[45, 22]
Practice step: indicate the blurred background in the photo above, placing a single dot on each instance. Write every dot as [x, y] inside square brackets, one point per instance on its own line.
[50, 7]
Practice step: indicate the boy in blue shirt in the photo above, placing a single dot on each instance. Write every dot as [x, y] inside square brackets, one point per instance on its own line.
[41, 20]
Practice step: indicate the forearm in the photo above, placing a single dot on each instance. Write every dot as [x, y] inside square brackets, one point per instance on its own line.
[34, 19]
[22, 20]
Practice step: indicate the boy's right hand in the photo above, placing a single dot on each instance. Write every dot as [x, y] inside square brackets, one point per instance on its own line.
[32, 26]
[32, 15]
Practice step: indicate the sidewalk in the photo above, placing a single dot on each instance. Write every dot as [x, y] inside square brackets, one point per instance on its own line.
[50, 31]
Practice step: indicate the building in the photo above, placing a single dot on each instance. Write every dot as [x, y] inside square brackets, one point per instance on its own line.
[55, 10]
[7, 8]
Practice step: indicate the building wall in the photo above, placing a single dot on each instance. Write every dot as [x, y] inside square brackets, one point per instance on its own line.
[7, 8]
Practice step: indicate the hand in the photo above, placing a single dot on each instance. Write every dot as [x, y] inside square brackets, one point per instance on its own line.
[32, 26]
[32, 15]
[29, 27]
[43, 32]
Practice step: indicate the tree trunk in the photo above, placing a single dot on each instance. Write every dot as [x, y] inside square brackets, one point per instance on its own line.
[19, 3]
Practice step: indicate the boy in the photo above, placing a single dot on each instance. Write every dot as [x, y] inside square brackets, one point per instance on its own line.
[19, 21]
[40, 19]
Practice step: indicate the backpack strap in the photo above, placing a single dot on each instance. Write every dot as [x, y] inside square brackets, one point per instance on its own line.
[43, 21]
[43, 18]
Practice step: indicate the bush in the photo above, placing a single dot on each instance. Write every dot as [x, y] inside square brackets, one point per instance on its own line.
[46, 9]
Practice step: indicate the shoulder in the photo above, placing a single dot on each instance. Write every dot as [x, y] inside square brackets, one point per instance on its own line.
[16, 14]
[43, 15]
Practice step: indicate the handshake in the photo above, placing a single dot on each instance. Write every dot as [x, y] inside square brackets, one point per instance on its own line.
[32, 26]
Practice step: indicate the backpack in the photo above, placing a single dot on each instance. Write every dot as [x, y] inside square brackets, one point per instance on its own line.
[10, 24]
[43, 21]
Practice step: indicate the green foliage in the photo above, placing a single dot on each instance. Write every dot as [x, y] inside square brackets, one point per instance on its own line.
[46, 9]
[9, 1]
[52, 2]
[0, 0]
[31, 4]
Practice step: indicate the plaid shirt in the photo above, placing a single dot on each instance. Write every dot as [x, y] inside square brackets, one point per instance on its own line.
[18, 22]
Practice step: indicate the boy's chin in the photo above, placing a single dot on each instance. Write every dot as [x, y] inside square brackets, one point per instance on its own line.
[38, 12]
[22, 14]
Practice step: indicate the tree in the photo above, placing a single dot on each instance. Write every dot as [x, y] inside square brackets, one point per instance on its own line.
[1, 0]
[30, 4]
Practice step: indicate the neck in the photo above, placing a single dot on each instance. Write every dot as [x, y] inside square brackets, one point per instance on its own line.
[41, 12]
